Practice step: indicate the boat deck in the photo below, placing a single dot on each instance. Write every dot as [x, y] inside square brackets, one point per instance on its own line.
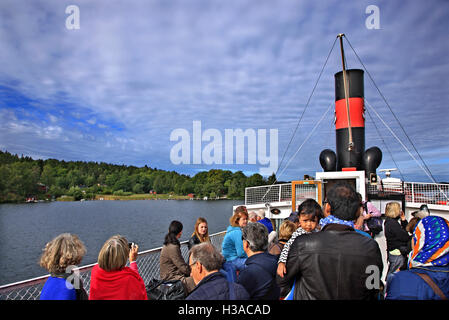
[279, 196]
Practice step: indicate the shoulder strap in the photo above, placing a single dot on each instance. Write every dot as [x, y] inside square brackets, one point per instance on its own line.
[432, 284]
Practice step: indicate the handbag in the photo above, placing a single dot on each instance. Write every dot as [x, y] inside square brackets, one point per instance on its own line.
[374, 224]
[165, 290]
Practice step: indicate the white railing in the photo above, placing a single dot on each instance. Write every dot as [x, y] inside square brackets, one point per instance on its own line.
[268, 193]
[148, 264]
[416, 192]
[427, 193]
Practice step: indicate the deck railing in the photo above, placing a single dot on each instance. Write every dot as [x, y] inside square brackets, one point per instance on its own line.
[415, 192]
[268, 193]
[147, 261]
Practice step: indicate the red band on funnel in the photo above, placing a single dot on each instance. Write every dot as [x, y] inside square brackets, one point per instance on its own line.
[355, 111]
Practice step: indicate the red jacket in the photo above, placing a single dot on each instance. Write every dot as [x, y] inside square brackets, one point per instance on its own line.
[124, 284]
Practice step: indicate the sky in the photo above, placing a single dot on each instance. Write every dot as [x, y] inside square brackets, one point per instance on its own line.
[137, 82]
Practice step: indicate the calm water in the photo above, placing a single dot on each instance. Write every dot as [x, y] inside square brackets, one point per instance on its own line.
[26, 228]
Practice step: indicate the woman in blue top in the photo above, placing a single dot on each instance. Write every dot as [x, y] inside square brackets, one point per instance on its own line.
[59, 257]
[232, 246]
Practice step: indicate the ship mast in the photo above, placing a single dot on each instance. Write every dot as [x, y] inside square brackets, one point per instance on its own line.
[345, 84]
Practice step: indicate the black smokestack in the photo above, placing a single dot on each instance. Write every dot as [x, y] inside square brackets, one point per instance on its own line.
[350, 158]
[354, 158]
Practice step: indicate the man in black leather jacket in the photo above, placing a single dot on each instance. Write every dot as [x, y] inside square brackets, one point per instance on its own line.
[337, 262]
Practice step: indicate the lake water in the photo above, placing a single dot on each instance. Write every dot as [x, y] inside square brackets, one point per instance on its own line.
[26, 228]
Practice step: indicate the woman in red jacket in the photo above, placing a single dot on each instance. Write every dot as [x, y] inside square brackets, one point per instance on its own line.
[111, 279]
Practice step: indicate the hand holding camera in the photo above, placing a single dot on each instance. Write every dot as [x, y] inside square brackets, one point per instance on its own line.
[133, 249]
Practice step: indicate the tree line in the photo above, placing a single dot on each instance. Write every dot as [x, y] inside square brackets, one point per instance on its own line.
[23, 177]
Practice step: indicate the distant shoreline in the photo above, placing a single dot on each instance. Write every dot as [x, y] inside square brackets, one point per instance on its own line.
[142, 197]
[109, 197]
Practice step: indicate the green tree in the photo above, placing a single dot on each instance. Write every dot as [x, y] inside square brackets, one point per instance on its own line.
[49, 175]
[138, 188]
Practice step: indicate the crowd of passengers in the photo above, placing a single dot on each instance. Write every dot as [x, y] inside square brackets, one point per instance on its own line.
[319, 253]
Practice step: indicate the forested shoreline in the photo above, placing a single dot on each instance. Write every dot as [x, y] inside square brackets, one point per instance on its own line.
[22, 177]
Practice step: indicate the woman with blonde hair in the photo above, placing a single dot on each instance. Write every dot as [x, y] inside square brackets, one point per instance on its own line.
[232, 245]
[111, 279]
[286, 230]
[200, 234]
[397, 237]
[59, 257]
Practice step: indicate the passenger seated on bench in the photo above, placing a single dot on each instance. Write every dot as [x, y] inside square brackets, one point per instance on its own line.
[259, 276]
[232, 246]
[286, 230]
[60, 256]
[430, 256]
[200, 233]
[205, 262]
[172, 263]
[111, 279]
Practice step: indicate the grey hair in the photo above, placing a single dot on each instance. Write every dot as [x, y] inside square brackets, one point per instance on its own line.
[207, 255]
[257, 236]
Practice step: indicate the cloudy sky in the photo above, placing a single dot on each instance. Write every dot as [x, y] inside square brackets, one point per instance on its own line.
[137, 72]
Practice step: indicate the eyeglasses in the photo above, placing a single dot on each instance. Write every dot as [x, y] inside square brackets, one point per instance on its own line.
[243, 239]
[191, 265]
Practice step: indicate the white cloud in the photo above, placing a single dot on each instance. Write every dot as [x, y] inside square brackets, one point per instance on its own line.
[142, 69]
[53, 118]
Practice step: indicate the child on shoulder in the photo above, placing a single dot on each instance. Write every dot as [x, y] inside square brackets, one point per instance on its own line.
[309, 214]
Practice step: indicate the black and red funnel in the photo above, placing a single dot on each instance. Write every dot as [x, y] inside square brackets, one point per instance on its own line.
[350, 127]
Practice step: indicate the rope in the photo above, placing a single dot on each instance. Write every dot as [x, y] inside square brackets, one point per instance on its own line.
[300, 118]
[406, 149]
[394, 115]
[346, 89]
[308, 137]
[385, 145]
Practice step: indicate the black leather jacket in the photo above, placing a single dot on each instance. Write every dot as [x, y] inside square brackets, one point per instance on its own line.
[332, 265]
[193, 241]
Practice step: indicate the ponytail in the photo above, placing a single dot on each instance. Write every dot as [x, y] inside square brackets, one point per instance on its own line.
[173, 230]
